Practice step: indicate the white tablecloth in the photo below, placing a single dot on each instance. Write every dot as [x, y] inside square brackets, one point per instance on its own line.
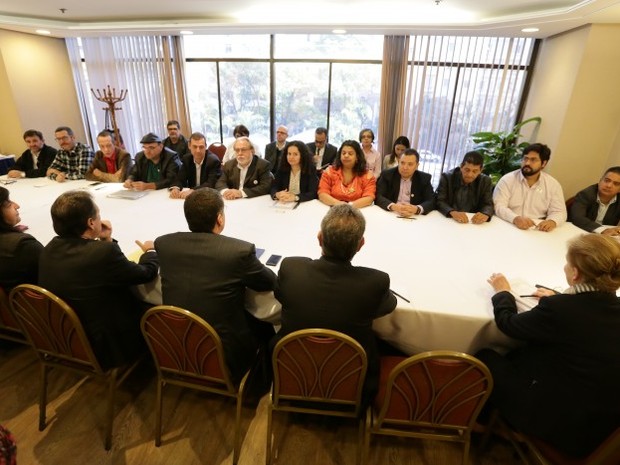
[439, 265]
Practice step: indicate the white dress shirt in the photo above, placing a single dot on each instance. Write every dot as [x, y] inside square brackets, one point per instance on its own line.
[514, 197]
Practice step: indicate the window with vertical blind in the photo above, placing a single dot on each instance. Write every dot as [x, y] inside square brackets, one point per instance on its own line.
[461, 85]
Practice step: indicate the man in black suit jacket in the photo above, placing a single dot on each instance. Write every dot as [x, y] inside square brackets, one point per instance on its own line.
[44, 154]
[333, 294]
[257, 178]
[275, 150]
[599, 205]
[201, 159]
[466, 190]
[414, 196]
[156, 166]
[207, 273]
[87, 269]
[323, 152]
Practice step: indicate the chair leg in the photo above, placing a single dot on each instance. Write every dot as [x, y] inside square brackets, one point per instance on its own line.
[158, 411]
[237, 443]
[360, 440]
[110, 412]
[269, 450]
[466, 449]
[366, 443]
[43, 397]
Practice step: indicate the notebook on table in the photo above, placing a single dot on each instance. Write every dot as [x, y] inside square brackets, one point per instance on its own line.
[127, 194]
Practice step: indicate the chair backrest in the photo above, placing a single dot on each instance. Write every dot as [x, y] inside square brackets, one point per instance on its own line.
[52, 328]
[218, 148]
[184, 346]
[438, 388]
[319, 365]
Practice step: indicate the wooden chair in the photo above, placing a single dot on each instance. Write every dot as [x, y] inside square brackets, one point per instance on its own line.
[188, 352]
[9, 329]
[57, 336]
[433, 395]
[218, 148]
[536, 451]
[317, 371]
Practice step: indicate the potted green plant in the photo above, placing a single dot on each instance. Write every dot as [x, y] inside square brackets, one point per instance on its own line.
[502, 154]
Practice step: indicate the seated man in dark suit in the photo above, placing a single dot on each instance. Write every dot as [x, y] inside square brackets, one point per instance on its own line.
[199, 168]
[246, 175]
[156, 167]
[276, 149]
[466, 189]
[87, 269]
[207, 273]
[404, 189]
[323, 152]
[597, 208]
[35, 161]
[331, 293]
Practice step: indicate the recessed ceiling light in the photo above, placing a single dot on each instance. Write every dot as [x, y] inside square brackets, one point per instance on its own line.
[530, 29]
[339, 31]
[43, 32]
[186, 33]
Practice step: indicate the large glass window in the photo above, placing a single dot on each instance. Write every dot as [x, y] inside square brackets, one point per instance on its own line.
[318, 80]
[301, 98]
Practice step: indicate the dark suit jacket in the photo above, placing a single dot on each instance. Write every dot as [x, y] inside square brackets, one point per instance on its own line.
[571, 367]
[273, 156]
[19, 259]
[25, 162]
[181, 147]
[257, 180]
[123, 162]
[584, 210]
[422, 193]
[482, 189]
[329, 154]
[169, 166]
[210, 170]
[308, 185]
[333, 294]
[207, 274]
[94, 277]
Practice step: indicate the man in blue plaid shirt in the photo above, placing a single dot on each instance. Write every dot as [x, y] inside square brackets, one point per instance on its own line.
[73, 158]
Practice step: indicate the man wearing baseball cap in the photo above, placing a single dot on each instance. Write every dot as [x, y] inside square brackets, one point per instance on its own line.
[155, 166]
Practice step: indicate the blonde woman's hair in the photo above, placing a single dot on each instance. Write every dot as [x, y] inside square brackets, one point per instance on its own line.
[597, 258]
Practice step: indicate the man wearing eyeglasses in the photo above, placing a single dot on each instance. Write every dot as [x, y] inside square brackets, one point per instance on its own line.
[324, 153]
[73, 158]
[246, 175]
[156, 167]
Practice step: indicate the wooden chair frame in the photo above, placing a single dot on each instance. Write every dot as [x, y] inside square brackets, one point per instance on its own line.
[353, 370]
[185, 365]
[56, 334]
[9, 329]
[429, 420]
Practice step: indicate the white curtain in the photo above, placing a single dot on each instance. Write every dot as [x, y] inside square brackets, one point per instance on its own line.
[141, 65]
[458, 86]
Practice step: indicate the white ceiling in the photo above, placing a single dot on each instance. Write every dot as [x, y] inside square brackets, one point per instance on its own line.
[480, 17]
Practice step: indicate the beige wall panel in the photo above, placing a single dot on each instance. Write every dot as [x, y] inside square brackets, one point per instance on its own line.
[39, 79]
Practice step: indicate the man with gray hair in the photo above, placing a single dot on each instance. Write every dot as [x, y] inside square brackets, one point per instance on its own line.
[331, 293]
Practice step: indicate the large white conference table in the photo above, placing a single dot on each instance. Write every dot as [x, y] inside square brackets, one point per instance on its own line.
[439, 265]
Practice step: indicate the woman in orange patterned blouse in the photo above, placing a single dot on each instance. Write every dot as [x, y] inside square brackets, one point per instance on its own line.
[348, 180]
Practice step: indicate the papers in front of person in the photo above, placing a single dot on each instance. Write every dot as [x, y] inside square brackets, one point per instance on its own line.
[127, 194]
[285, 205]
[522, 291]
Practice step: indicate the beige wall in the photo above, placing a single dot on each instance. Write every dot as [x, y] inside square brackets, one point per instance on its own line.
[576, 92]
[36, 89]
